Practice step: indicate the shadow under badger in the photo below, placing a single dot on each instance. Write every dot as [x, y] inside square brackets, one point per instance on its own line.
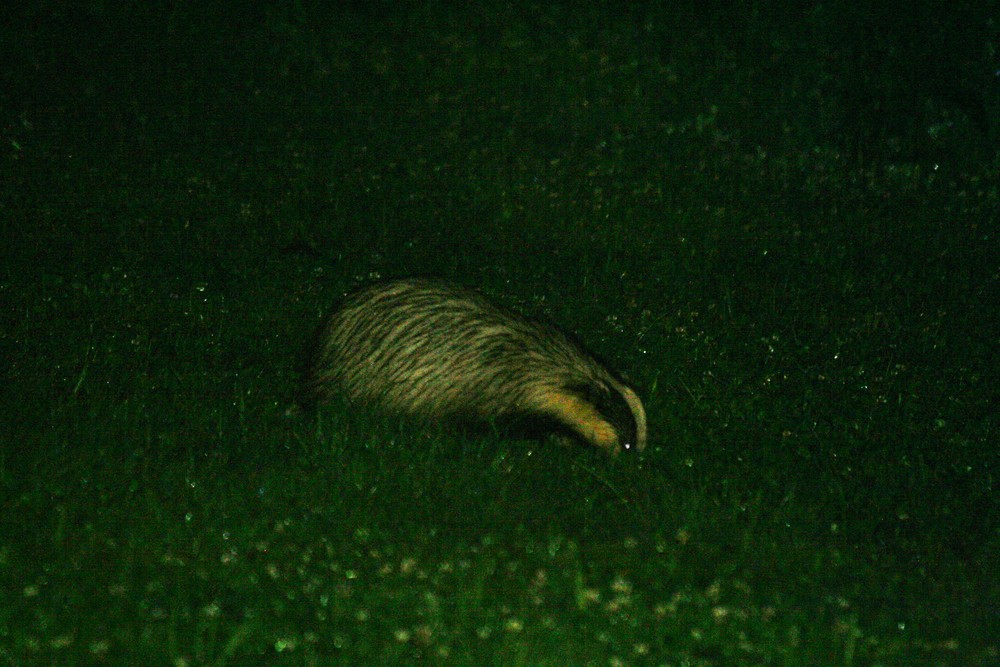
[433, 350]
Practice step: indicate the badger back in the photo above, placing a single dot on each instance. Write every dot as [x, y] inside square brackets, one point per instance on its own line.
[432, 349]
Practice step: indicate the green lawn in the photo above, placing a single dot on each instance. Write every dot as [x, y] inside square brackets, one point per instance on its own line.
[805, 293]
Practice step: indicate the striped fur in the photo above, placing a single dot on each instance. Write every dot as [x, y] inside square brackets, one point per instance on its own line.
[434, 350]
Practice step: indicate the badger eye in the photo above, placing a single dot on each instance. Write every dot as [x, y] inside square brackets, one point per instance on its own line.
[629, 446]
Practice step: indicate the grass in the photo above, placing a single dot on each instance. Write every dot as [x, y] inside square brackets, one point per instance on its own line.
[815, 338]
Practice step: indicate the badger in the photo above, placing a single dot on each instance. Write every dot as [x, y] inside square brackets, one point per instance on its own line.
[431, 349]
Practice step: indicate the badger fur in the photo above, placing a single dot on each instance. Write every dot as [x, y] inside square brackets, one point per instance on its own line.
[434, 350]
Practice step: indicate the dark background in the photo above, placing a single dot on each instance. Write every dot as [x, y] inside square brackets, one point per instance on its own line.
[780, 219]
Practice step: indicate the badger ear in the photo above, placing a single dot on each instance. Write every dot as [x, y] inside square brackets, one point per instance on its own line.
[592, 392]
